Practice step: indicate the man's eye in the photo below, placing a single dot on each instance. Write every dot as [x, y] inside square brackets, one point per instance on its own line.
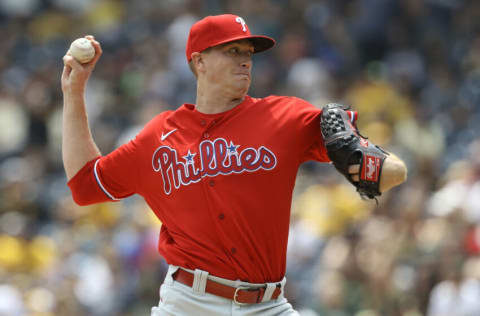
[235, 51]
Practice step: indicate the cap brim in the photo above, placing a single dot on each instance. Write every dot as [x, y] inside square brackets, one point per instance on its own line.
[260, 43]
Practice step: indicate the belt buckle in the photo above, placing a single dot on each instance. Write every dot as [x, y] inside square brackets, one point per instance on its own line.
[236, 294]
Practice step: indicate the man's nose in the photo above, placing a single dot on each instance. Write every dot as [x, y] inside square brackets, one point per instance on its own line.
[247, 63]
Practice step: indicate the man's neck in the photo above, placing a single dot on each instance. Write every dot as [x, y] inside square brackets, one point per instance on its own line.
[210, 101]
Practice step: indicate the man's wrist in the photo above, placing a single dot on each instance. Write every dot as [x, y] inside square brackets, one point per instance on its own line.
[74, 96]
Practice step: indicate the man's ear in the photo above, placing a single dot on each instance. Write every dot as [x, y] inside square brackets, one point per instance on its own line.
[198, 62]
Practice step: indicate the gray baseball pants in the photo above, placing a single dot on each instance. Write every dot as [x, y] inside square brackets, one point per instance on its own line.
[177, 299]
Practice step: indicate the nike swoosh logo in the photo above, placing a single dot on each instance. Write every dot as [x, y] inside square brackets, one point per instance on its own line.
[164, 136]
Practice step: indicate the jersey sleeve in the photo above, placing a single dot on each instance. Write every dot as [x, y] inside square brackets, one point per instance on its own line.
[310, 135]
[310, 125]
[116, 175]
[107, 178]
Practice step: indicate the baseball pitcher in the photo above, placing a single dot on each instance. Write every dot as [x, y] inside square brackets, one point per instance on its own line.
[219, 174]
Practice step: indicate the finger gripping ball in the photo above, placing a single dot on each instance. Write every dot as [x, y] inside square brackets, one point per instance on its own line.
[82, 50]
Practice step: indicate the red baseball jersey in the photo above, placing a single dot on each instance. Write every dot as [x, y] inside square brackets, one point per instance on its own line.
[221, 184]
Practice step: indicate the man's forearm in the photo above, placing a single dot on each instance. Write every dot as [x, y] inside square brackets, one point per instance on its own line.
[78, 146]
[394, 172]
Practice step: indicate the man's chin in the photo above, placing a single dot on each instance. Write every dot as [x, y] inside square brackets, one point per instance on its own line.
[244, 86]
[239, 88]
[243, 92]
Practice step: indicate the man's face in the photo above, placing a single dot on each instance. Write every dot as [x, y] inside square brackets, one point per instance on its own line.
[230, 65]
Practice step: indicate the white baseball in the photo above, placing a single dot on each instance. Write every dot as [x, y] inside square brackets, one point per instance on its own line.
[82, 50]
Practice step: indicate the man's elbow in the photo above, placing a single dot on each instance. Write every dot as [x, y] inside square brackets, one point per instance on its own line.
[404, 173]
[83, 186]
[80, 200]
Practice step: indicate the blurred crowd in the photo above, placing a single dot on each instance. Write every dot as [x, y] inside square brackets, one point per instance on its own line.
[411, 68]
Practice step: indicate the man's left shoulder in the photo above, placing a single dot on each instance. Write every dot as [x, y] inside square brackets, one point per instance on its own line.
[279, 100]
[288, 102]
[272, 99]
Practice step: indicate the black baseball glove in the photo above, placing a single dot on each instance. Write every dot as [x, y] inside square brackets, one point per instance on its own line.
[346, 147]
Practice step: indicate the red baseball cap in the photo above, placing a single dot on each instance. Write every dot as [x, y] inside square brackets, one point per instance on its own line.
[219, 29]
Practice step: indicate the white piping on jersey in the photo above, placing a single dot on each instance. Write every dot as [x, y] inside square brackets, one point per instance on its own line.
[111, 197]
